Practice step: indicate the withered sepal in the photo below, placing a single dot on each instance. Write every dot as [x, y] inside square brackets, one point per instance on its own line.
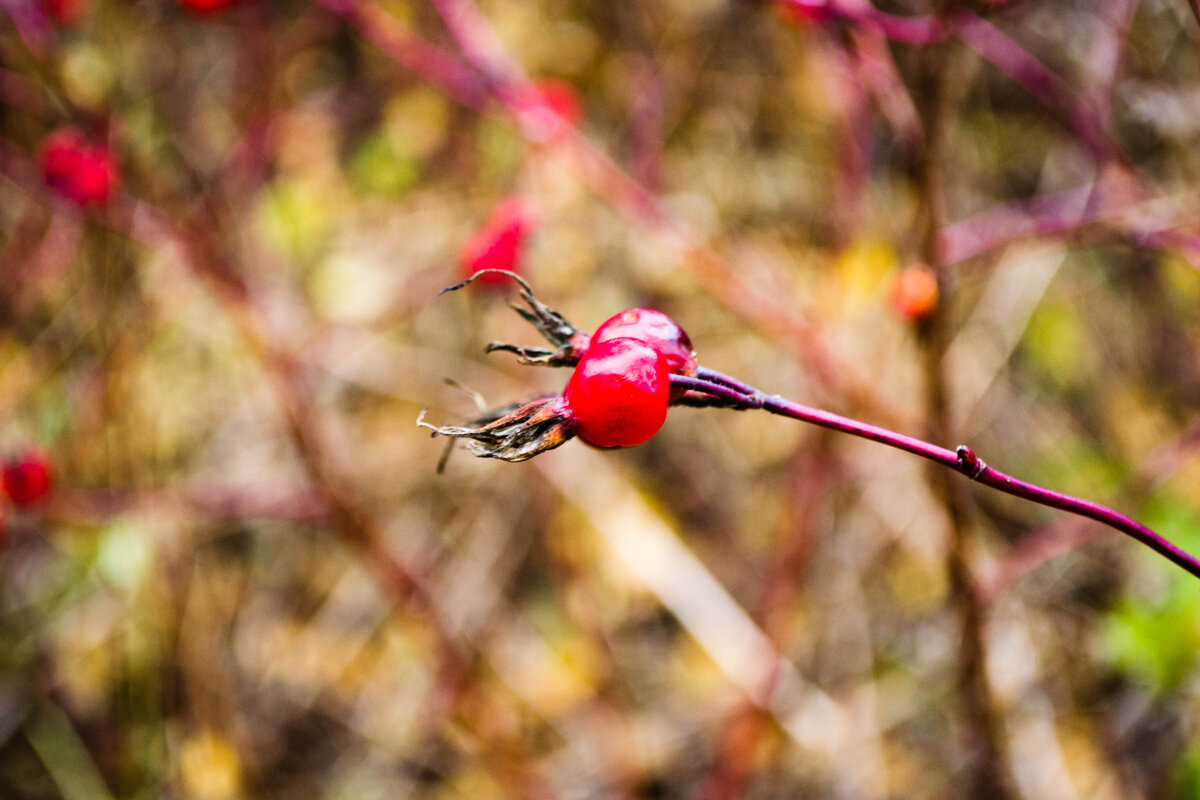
[570, 343]
[514, 433]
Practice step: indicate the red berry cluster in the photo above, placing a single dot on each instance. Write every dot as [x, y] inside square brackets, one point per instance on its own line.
[617, 396]
[77, 169]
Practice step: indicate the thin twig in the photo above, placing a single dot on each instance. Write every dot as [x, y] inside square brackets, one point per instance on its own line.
[963, 459]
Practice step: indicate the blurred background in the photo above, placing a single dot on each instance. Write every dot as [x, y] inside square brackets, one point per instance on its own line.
[229, 567]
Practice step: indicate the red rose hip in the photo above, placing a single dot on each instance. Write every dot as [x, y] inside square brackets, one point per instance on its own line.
[618, 393]
[915, 294]
[655, 329]
[76, 168]
[206, 7]
[27, 479]
[499, 243]
[64, 12]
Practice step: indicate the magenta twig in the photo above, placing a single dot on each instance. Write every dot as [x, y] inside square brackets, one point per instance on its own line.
[1004, 53]
[734, 394]
[431, 63]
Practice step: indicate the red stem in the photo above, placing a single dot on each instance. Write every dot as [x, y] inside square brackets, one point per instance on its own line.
[962, 459]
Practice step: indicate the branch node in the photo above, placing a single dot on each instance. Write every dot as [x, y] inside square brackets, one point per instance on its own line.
[970, 464]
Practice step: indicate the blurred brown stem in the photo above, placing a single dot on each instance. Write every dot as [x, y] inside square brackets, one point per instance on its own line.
[987, 759]
[456, 664]
[745, 727]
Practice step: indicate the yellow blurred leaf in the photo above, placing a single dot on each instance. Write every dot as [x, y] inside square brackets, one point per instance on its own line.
[209, 767]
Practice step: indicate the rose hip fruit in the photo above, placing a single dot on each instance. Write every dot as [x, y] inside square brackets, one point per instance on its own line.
[618, 393]
[64, 12]
[559, 98]
[206, 7]
[499, 243]
[655, 329]
[28, 478]
[76, 168]
[915, 294]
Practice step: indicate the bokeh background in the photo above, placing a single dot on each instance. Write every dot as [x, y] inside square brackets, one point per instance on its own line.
[230, 569]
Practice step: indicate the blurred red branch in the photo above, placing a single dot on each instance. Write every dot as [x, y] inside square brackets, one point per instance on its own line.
[432, 64]
[722, 281]
[355, 526]
[1104, 58]
[1004, 53]
[259, 501]
[1110, 203]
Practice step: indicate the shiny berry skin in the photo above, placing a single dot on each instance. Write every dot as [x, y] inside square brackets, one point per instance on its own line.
[28, 478]
[655, 329]
[618, 393]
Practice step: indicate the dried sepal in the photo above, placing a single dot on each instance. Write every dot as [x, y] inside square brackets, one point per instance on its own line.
[566, 356]
[570, 343]
[514, 433]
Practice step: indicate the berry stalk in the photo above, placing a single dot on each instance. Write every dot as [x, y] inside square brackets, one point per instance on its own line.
[731, 393]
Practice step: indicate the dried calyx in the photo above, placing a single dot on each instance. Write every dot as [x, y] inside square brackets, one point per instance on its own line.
[569, 342]
[515, 432]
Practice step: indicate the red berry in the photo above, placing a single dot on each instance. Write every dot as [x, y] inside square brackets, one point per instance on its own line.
[498, 244]
[64, 12]
[95, 176]
[60, 154]
[205, 7]
[618, 393]
[655, 329]
[915, 295]
[559, 98]
[77, 169]
[550, 108]
[805, 13]
[27, 479]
